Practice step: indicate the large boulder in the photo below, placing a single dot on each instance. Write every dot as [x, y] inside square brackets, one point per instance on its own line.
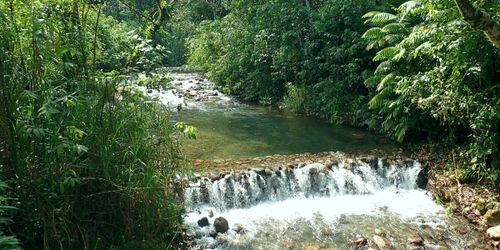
[494, 232]
[221, 225]
[492, 217]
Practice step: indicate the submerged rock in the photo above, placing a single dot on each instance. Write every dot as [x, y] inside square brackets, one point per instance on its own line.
[379, 232]
[359, 242]
[494, 232]
[492, 218]
[381, 242]
[203, 222]
[221, 225]
[238, 228]
[213, 234]
[416, 241]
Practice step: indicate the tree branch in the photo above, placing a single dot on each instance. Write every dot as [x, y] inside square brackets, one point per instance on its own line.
[480, 20]
[137, 12]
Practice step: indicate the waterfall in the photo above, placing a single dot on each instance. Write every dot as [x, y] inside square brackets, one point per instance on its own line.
[251, 187]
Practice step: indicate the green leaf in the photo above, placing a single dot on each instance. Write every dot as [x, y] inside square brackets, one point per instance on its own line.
[386, 53]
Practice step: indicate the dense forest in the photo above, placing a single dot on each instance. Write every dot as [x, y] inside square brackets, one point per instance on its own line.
[86, 163]
[414, 70]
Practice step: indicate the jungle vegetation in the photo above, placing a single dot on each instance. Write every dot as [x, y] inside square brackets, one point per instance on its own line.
[86, 163]
[419, 71]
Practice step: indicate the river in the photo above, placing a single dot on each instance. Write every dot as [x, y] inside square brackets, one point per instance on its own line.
[341, 203]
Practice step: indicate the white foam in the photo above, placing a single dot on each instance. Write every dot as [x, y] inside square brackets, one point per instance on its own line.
[408, 204]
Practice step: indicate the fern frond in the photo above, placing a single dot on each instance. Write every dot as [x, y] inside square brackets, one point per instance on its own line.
[386, 53]
[373, 81]
[373, 33]
[394, 28]
[380, 99]
[370, 15]
[393, 38]
[409, 5]
[387, 80]
[383, 67]
[383, 18]
[400, 55]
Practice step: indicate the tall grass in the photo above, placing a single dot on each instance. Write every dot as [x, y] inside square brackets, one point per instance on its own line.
[90, 167]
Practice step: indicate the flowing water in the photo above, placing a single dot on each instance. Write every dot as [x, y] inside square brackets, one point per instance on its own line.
[321, 208]
[232, 130]
[314, 206]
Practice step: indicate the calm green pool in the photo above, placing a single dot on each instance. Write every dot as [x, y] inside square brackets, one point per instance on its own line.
[241, 131]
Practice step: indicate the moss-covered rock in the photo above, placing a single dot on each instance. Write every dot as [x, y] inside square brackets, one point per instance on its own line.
[492, 217]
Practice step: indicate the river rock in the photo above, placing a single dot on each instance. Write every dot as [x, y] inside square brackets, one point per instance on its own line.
[417, 241]
[214, 176]
[327, 232]
[213, 234]
[221, 225]
[203, 222]
[379, 232]
[492, 217]
[210, 213]
[381, 242]
[221, 239]
[494, 232]
[423, 177]
[359, 242]
[268, 172]
[238, 228]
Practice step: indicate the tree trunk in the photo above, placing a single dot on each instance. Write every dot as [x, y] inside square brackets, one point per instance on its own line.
[480, 20]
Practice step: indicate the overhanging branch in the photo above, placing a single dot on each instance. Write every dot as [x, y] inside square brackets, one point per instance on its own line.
[480, 20]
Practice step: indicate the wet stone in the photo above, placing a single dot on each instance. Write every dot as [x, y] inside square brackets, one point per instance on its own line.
[239, 229]
[492, 217]
[417, 241]
[221, 225]
[311, 248]
[203, 222]
[359, 242]
[379, 232]
[494, 232]
[381, 242]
